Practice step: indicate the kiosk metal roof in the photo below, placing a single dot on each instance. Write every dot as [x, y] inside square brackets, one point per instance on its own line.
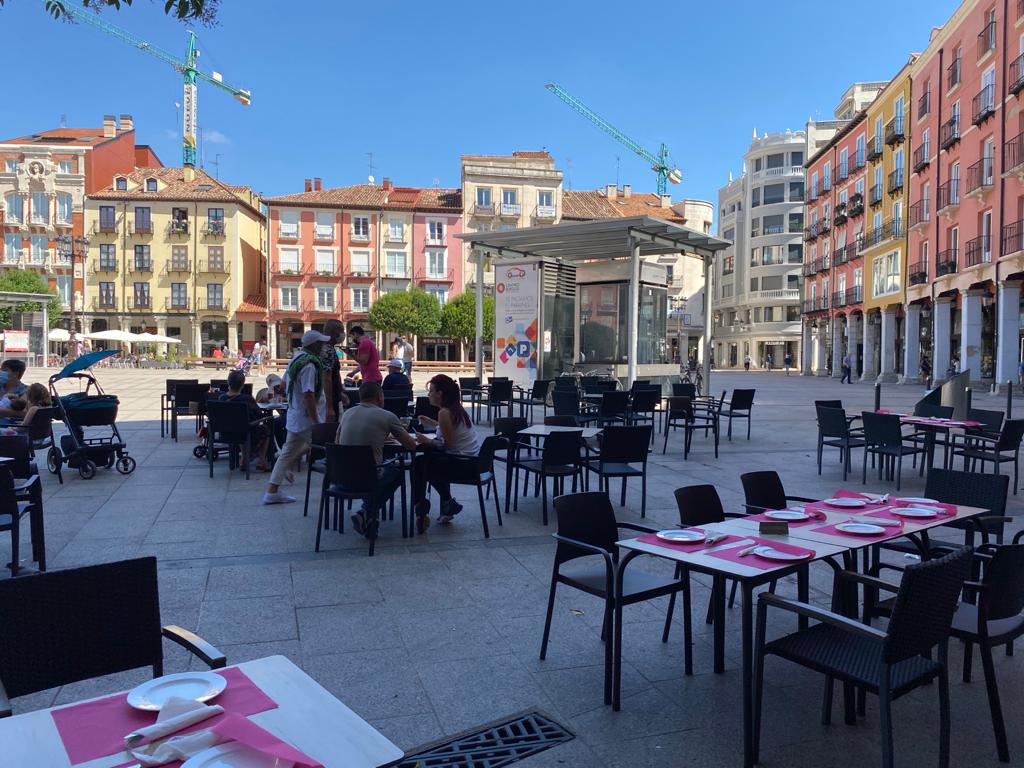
[598, 239]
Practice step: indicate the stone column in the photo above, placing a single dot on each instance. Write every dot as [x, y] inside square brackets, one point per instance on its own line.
[197, 337]
[233, 344]
[837, 346]
[912, 345]
[1007, 331]
[161, 330]
[970, 332]
[854, 329]
[805, 348]
[887, 357]
[272, 338]
[870, 334]
[942, 327]
[820, 352]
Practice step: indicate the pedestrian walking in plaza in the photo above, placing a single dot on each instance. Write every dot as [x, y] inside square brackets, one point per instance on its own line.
[770, 360]
[926, 369]
[746, 363]
[307, 405]
[366, 355]
[787, 362]
[847, 369]
[333, 389]
[259, 356]
[1020, 373]
[407, 356]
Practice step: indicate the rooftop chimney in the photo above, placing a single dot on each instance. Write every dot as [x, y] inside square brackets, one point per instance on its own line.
[666, 201]
[109, 126]
[627, 191]
[127, 123]
[387, 184]
[309, 185]
[610, 191]
[317, 184]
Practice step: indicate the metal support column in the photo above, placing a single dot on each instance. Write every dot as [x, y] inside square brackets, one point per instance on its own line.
[634, 308]
[709, 271]
[479, 342]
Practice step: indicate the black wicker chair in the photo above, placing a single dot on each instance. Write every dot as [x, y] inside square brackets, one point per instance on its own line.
[499, 397]
[991, 615]
[888, 664]
[587, 527]
[684, 389]
[997, 450]
[167, 401]
[834, 431]
[478, 471]
[884, 438]
[229, 428]
[317, 460]
[939, 435]
[559, 459]
[12, 509]
[189, 400]
[64, 626]
[763, 490]
[739, 406]
[538, 395]
[614, 408]
[567, 403]
[509, 429]
[644, 407]
[622, 449]
[470, 389]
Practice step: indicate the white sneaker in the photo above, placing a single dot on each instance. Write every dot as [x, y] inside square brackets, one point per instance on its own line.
[277, 498]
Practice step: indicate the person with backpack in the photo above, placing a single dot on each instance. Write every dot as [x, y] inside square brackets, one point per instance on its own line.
[307, 405]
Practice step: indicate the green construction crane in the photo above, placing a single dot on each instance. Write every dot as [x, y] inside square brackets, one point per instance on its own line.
[186, 67]
[659, 163]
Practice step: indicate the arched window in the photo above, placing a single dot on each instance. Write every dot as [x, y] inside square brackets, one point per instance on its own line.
[13, 206]
[63, 208]
[121, 183]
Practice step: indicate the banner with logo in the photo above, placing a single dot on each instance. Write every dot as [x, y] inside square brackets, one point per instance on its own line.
[15, 341]
[516, 320]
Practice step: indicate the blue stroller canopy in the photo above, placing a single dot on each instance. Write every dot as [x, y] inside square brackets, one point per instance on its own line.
[87, 360]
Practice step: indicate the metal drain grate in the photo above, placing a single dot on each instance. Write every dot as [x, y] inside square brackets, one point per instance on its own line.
[492, 746]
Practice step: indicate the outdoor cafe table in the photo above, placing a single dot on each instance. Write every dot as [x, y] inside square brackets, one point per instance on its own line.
[306, 716]
[931, 425]
[543, 430]
[752, 573]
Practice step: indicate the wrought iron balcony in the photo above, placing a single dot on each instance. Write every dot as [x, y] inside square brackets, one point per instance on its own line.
[140, 228]
[918, 213]
[106, 265]
[855, 206]
[892, 228]
[895, 181]
[178, 265]
[987, 39]
[105, 301]
[323, 234]
[811, 232]
[1013, 152]
[978, 251]
[221, 266]
[949, 132]
[855, 295]
[839, 217]
[948, 195]
[875, 148]
[917, 273]
[216, 229]
[545, 212]
[140, 265]
[483, 209]
[841, 255]
[921, 157]
[945, 262]
[511, 209]
[983, 105]
[1016, 74]
[1013, 236]
[810, 267]
[139, 301]
[872, 237]
[953, 73]
[858, 160]
[206, 304]
[979, 176]
[100, 227]
[894, 131]
[924, 104]
[178, 227]
[875, 195]
[839, 299]
[843, 171]
[177, 304]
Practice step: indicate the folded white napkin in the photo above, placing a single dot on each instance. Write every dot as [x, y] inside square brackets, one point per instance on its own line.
[175, 714]
[176, 748]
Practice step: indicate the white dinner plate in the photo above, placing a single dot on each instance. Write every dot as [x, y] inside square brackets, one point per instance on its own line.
[682, 536]
[860, 529]
[787, 514]
[844, 502]
[918, 500]
[231, 755]
[770, 553]
[922, 512]
[199, 686]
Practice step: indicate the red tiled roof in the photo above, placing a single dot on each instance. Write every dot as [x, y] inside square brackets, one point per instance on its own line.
[75, 137]
[203, 187]
[582, 205]
[375, 196]
[541, 155]
[358, 196]
[253, 303]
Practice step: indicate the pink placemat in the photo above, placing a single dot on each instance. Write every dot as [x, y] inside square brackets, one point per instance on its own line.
[650, 538]
[732, 554]
[845, 493]
[950, 509]
[237, 728]
[831, 530]
[887, 513]
[811, 512]
[97, 728]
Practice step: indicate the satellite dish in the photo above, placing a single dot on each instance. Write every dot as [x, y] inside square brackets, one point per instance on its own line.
[370, 179]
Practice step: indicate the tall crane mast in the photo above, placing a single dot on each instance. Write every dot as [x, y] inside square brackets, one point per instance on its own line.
[660, 163]
[187, 68]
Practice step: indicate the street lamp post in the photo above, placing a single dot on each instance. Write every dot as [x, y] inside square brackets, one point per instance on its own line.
[70, 248]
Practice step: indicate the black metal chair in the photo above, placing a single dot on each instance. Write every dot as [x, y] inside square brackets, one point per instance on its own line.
[991, 421]
[992, 614]
[888, 664]
[189, 400]
[644, 407]
[424, 408]
[64, 626]
[509, 428]
[559, 459]
[587, 527]
[560, 421]
[478, 471]
[470, 388]
[679, 414]
[220, 385]
[567, 403]
[997, 450]
[322, 434]
[397, 403]
[884, 438]
[167, 401]
[621, 450]
[936, 435]
[351, 473]
[538, 395]
[229, 428]
[614, 408]
[40, 436]
[763, 490]
[499, 396]
[684, 389]
[834, 431]
[740, 406]
[12, 509]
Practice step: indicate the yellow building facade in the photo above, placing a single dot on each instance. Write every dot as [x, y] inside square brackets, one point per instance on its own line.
[883, 241]
[174, 252]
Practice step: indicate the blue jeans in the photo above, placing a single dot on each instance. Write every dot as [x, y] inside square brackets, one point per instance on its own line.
[407, 368]
[391, 477]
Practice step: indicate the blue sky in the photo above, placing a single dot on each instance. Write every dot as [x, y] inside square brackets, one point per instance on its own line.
[418, 84]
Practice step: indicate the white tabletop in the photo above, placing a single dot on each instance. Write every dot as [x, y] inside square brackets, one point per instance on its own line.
[543, 430]
[307, 717]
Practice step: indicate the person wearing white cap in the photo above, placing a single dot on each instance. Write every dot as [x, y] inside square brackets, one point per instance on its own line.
[395, 377]
[307, 405]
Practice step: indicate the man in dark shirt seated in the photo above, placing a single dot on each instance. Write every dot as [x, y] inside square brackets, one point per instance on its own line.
[260, 432]
[395, 377]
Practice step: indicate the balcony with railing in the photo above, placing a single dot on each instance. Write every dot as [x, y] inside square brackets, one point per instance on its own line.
[949, 132]
[948, 195]
[323, 234]
[860, 244]
[216, 229]
[436, 240]
[894, 131]
[978, 251]
[921, 157]
[855, 295]
[1013, 236]
[139, 301]
[983, 105]
[855, 205]
[875, 195]
[1013, 154]
[843, 171]
[510, 209]
[824, 263]
[140, 228]
[826, 185]
[14, 257]
[987, 39]
[895, 180]
[918, 213]
[858, 160]
[178, 228]
[207, 304]
[811, 232]
[839, 299]
[924, 104]
[872, 236]
[433, 276]
[177, 265]
[140, 265]
[544, 212]
[217, 266]
[395, 237]
[283, 268]
[841, 255]
[917, 273]
[483, 209]
[105, 265]
[287, 231]
[359, 236]
[359, 272]
[945, 262]
[105, 301]
[810, 267]
[979, 177]
[874, 148]
[839, 217]
[177, 304]
[892, 228]
[1016, 74]
[953, 74]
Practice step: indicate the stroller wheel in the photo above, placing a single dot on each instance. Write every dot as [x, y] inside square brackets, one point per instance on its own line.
[111, 458]
[53, 460]
[87, 469]
[199, 451]
[126, 465]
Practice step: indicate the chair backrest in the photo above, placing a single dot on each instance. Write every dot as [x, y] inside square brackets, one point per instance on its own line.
[324, 433]
[228, 419]
[509, 426]
[185, 394]
[933, 411]
[424, 408]
[170, 384]
[397, 404]
[566, 402]
[742, 400]
[639, 384]
[882, 429]
[41, 427]
[399, 389]
[540, 389]
[353, 395]
[764, 489]
[500, 391]
[625, 444]
[247, 388]
[828, 403]
[614, 403]
[680, 407]
[219, 384]
[832, 422]
[560, 421]
[352, 467]
[586, 517]
[684, 389]
[925, 604]
[19, 448]
[972, 489]
[490, 444]
[8, 501]
[1004, 580]
[561, 448]
[60, 627]
[991, 421]
[1011, 434]
[566, 382]
[699, 505]
[646, 400]
[586, 381]
[469, 383]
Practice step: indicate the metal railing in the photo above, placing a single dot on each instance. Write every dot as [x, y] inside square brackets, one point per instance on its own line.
[921, 156]
[216, 229]
[545, 212]
[917, 273]
[858, 160]
[139, 302]
[140, 228]
[945, 262]
[895, 181]
[323, 234]
[855, 205]
[948, 194]
[178, 266]
[288, 232]
[874, 147]
[511, 209]
[177, 228]
[924, 104]
[1013, 236]
[979, 175]
[839, 217]
[841, 255]
[359, 237]
[892, 228]
[894, 131]
[483, 209]
[214, 266]
[140, 265]
[104, 265]
[855, 295]
[839, 299]
[875, 194]
[177, 305]
[426, 276]
[983, 105]
[949, 132]
[987, 39]
[978, 251]
[918, 213]
[205, 304]
[1016, 74]
[953, 73]
[1013, 152]
[105, 302]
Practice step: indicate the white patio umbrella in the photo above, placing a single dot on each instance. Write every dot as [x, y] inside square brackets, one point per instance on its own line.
[58, 334]
[155, 338]
[112, 335]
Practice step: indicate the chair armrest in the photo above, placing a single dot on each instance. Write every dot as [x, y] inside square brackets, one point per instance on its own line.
[753, 509]
[195, 645]
[637, 527]
[23, 484]
[5, 703]
[583, 545]
[974, 437]
[739, 515]
[1018, 537]
[802, 498]
[870, 581]
[820, 614]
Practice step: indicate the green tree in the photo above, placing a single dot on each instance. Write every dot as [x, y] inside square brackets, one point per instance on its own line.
[425, 318]
[28, 282]
[458, 318]
[203, 11]
[416, 312]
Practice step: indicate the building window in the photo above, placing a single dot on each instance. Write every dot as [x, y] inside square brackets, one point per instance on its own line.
[325, 298]
[107, 295]
[394, 263]
[324, 261]
[324, 225]
[289, 226]
[179, 221]
[14, 207]
[64, 166]
[121, 184]
[755, 197]
[215, 257]
[179, 295]
[64, 288]
[38, 244]
[437, 263]
[545, 199]
[509, 197]
[143, 222]
[215, 296]
[796, 191]
[360, 227]
[12, 248]
[396, 231]
[141, 295]
[796, 159]
[40, 208]
[483, 197]
[215, 221]
[795, 253]
[63, 208]
[108, 256]
[774, 193]
[440, 293]
[151, 185]
[859, 188]
[289, 297]
[885, 274]
[142, 260]
[108, 220]
[814, 184]
[435, 232]
[360, 299]
[179, 258]
[360, 261]
[11, 166]
[844, 163]
[289, 260]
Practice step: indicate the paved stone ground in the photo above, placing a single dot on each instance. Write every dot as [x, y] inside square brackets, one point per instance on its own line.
[437, 634]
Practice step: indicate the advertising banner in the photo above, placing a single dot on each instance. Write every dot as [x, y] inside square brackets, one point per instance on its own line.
[516, 320]
[16, 341]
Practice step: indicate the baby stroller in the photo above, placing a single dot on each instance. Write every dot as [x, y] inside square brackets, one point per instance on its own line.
[245, 364]
[87, 408]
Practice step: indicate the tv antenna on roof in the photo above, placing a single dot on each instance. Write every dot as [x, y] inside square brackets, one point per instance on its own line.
[370, 178]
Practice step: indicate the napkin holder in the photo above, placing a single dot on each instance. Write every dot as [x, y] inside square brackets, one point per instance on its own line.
[773, 528]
